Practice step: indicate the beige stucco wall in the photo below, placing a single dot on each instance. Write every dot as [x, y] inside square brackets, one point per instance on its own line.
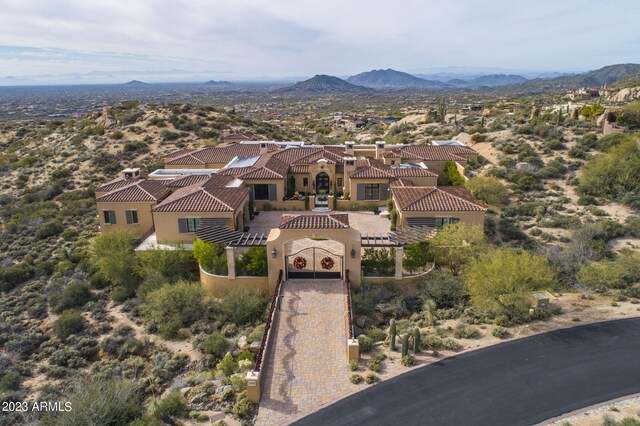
[167, 225]
[353, 190]
[278, 239]
[471, 218]
[145, 219]
[217, 285]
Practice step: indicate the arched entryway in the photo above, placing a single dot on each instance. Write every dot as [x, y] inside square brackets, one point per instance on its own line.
[322, 183]
[316, 258]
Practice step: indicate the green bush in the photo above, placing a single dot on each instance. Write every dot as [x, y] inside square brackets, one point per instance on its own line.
[243, 408]
[408, 360]
[376, 334]
[488, 189]
[366, 343]
[254, 262]
[12, 276]
[227, 365]
[466, 332]
[444, 288]
[500, 332]
[49, 229]
[172, 265]
[374, 365]
[96, 401]
[243, 306]
[70, 322]
[356, 379]
[417, 256]
[210, 256]
[172, 405]
[378, 262]
[181, 302]
[74, 295]
[214, 344]
[371, 378]
[10, 381]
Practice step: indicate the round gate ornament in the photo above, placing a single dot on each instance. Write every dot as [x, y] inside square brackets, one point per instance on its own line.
[327, 263]
[299, 262]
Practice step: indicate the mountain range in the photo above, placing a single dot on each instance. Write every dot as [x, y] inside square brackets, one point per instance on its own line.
[391, 79]
[324, 85]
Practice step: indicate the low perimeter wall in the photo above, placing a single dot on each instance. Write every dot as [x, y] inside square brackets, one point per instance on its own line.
[217, 285]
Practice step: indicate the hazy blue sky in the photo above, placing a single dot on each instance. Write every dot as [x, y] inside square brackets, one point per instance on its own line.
[227, 39]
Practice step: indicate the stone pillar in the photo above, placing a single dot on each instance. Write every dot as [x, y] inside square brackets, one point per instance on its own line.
[231, 262]
[253, 386]
[399, 257]
[353, 349]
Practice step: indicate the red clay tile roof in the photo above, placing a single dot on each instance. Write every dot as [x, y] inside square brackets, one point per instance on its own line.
[437, 199]
[321, 221]
[202, 199]
[371, 173]
[218, 181]
[185, 160]
[180, 152]
[234, 171]
[141, 190]
[116, 184]
[391, 154]
[221, 154]
[436, 153]
[400, 182]
[187, 180]
[299, 168]
[411, 172]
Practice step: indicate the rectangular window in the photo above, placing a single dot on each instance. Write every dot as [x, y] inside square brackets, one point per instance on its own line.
[305, 182]
[372, 191]
[109, 217]
[442, 221]
[339, 182]
[261, 191]
[132, 217]
[189, 225]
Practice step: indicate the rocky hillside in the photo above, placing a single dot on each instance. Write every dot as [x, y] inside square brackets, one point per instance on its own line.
[391, 79]
[324, 85]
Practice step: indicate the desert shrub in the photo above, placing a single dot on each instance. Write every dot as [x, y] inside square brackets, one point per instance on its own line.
[48, 229]
[371, 378]
[254, 262]
[376, 334]
[408, 360]
[364, 302]
[70, 322]
[243, 306]
[374, 365]
[180, 302]
[353, 365]
[11, 276]
[172, 265]
[500, 332]
[243, 408]
[10, 381]
[607, 142]
[366, 343]
[74, 295]
[451, 175]
[432, 342]
[173, 405]
[214, 344]
[227, 365]
[456, 244]
[466, 332]
[416, 256]
[378, 262]
[488, 189]
[115, 257]
[356, 379]
[445, 289]
[591, 111]
[96, 401]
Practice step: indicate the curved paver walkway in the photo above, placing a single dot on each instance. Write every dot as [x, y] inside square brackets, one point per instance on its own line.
[307, 364]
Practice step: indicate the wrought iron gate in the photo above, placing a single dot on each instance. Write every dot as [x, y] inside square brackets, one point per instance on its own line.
[314, 262]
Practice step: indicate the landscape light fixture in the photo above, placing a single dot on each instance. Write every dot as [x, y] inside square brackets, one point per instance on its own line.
[353, 253]
[274, 253]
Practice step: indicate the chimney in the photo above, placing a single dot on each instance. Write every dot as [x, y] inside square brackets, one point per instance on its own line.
[349, 166]
[263, 148]
[379, 149]
[131, 173]
[348, 148]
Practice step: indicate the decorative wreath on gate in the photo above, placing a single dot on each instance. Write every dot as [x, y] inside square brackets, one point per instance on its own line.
[299, 262]
[327, 263]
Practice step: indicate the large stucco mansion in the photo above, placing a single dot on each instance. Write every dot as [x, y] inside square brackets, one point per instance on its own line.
[222, 185]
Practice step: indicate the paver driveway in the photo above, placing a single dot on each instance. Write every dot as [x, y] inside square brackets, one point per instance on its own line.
[307, 365]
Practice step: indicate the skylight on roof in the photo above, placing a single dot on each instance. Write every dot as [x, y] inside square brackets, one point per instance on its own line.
[242, 162]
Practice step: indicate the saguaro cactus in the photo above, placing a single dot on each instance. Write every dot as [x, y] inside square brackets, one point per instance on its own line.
[416, 340]
[405, 344]
[392, 334]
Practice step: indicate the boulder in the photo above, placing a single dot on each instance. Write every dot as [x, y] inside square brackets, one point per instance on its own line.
[242, 342]
[184, 391]
[363, 321]
[385, 308]
[357, 331]
[199, 398]
[222, 389]
[378, 318]
[254, 346]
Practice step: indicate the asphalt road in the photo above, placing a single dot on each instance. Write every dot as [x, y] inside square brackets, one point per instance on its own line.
[522, 382]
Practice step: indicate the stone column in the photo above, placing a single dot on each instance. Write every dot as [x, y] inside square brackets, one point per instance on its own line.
[399, 257]
[231, 262]
[253, 386]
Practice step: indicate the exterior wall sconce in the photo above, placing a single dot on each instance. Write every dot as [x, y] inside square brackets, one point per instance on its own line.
[274, 253]
[353, 253]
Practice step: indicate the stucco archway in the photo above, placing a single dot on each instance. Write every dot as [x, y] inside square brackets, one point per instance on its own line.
[278, 247]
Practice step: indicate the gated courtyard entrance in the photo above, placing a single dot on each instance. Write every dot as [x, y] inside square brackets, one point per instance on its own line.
[314, 262]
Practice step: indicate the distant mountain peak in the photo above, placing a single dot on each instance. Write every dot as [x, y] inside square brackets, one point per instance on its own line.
[391, 78]
[218, 83]
[324, 84]
[135, 83]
